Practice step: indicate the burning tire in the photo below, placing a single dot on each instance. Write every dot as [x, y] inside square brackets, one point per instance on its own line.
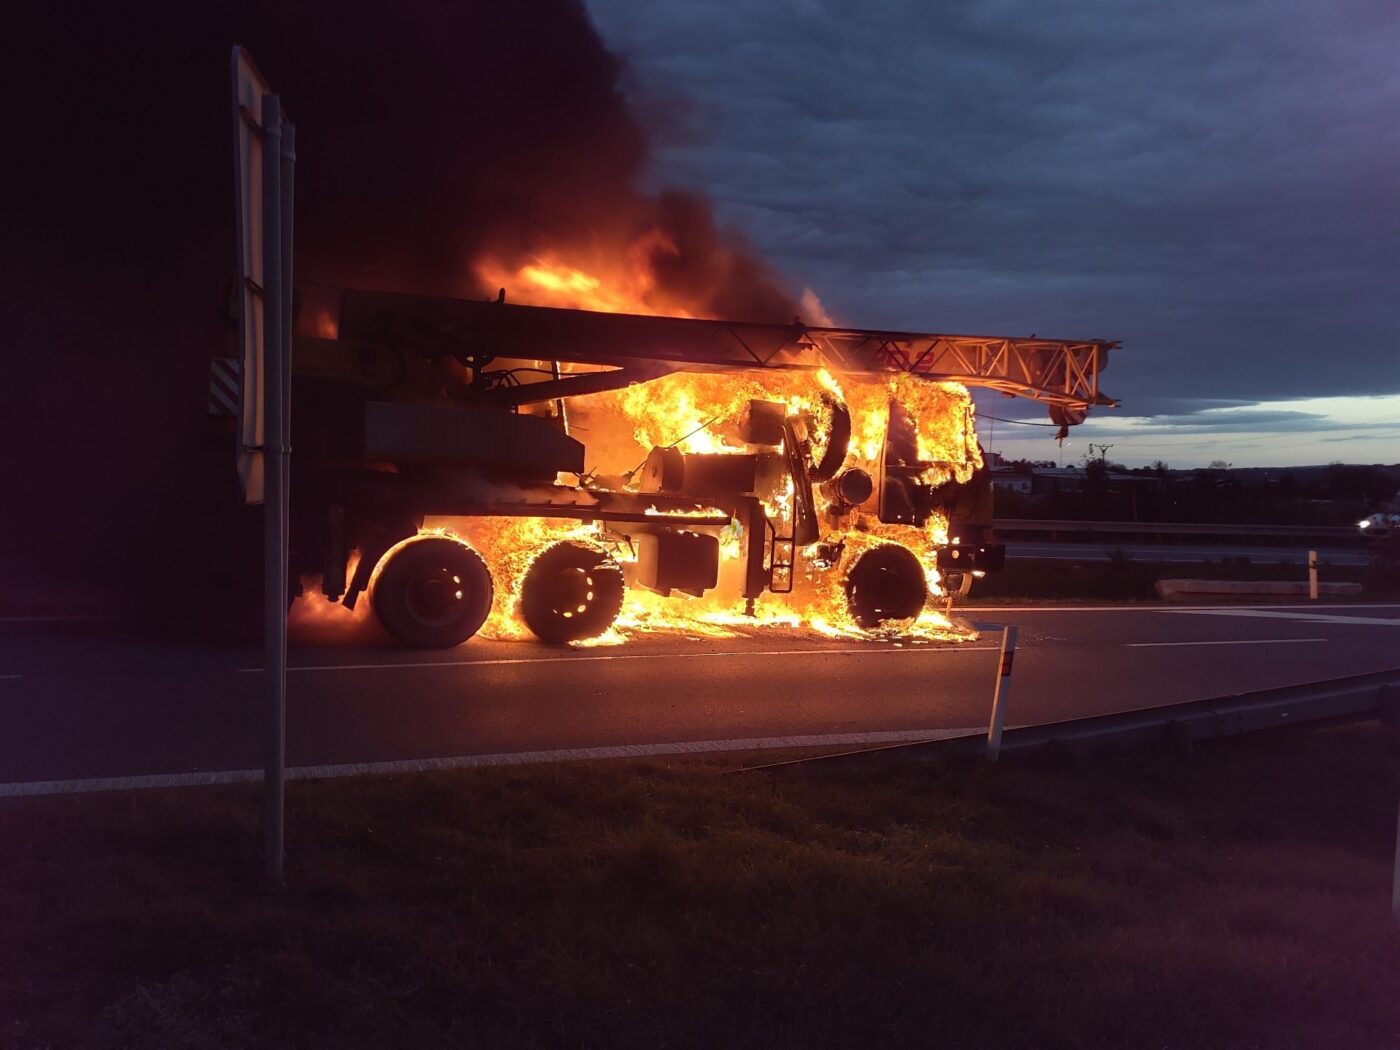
[432, 593]
[571, 591]
[838, 442]
[886, 587]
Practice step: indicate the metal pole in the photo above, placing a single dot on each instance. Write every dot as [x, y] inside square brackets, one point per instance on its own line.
[1003, 692]
[275, 504]
[1395, 877]
[1312, 575]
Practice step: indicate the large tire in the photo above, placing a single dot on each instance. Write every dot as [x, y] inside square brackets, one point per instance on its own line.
[886, 587]
[432, 593]
[571, 591]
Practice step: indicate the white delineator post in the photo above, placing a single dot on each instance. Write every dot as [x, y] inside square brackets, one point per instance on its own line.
[1312, 575]
[1003, 692]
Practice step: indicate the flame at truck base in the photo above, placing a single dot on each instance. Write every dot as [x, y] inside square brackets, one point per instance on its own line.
[695, 409]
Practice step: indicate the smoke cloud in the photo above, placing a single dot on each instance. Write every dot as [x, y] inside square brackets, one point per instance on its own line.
[429, 133]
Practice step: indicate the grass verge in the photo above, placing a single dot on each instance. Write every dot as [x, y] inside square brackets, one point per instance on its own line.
[1239, 899]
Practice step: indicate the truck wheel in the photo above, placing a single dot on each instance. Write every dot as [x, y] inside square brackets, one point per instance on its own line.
[432, 593]
[886, 586]
[572, 590]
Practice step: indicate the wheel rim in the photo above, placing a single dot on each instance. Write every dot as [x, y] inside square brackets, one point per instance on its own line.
[571, 591]
[437, 597]
[577, 593]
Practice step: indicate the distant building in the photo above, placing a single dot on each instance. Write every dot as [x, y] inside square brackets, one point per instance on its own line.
[1057, 479]
[1040, 481]
[1008, 479]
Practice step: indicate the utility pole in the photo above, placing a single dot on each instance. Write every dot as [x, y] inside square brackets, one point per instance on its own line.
[1103, 451]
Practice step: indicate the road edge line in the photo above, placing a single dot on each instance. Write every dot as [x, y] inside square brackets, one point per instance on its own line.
[39, 788]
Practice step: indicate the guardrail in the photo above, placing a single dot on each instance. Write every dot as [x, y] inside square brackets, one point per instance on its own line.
[1176, 528]
[1354, 698]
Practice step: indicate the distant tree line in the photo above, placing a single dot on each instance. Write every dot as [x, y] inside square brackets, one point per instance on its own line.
[1335, 494]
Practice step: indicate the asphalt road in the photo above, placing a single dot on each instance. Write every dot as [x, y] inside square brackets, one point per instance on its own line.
[75, 704]
[1181, 552]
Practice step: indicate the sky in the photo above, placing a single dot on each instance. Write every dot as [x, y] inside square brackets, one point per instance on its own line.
[1211, 183]
[1214, 184]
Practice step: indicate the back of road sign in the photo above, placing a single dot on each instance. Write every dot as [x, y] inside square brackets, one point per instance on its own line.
[249, 90]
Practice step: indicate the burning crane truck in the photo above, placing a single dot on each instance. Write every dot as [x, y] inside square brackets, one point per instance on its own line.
[811, 475]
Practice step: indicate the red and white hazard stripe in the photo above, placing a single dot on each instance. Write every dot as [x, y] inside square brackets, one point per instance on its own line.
[224, 384]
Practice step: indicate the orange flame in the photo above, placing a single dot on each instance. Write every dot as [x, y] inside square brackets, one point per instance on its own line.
[612, 282]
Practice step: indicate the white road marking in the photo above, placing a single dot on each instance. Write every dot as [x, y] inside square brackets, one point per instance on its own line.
[50, 619]
[518, 758]
[10, 677]
[1303, 617]
[978, 609]
[629, 656]
[1180, 555]
[1240, 641]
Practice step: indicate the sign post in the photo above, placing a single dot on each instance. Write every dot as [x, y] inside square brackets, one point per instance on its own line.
[1312, 575]
[1395, 876]
[264, 163]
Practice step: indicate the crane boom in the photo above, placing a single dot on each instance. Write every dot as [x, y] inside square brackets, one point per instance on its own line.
[1060, 373]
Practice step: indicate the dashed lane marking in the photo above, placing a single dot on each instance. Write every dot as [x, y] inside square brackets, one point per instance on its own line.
[1237, 641]
[1300, 616]
[65, 618]
[979, 609]
[518, 758]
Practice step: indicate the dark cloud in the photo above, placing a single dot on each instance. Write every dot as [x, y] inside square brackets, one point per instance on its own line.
[1148, 406]
[1244, 420]
[1211, 183]
[1345, 437]
[1268, 421]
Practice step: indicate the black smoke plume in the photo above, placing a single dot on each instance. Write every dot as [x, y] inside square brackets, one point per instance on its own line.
[428, 132]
